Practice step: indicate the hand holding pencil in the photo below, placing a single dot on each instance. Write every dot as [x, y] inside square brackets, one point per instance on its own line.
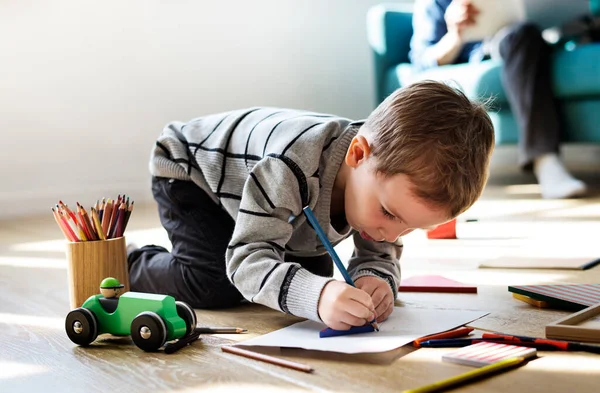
[107, 220]
[340, 306]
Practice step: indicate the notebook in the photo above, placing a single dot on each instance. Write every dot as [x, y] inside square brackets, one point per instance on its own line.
[434, 284]
[568, 296]
[485, 353]
[571, 263]
[496, 14]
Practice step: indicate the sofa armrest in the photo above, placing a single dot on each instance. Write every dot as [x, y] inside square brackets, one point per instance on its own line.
[389, 30]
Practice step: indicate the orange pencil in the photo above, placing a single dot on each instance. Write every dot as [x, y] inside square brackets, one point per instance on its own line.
[460, 332]
[87, 225]
[106, 216]
[81, 223]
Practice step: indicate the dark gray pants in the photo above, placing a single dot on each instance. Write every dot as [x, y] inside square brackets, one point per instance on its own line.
[526, 80]
[199, 230]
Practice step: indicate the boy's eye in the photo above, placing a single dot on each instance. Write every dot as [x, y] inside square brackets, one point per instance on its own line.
[387, 213]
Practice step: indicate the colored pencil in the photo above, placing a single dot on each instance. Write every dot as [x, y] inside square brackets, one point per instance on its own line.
[464, 342]
[553, 344]
[61, 225]
[96, 220]
[220, 330]
[334, 256]
[128, 213]
[72, 218]
[268, 359]
[469, 376]
[100, 208]
[106, 217]
[68, 228]
[460, 332]
[77, 225]
[120, 221]
[113, 216]
[84, 220]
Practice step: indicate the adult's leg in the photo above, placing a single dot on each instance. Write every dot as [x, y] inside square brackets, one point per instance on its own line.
[199, 230]
[526, 80]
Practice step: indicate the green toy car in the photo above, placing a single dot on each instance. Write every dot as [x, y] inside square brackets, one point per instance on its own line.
[150, 319]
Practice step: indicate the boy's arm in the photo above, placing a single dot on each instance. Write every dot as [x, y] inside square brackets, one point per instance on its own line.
[273, 196]
[379, 259]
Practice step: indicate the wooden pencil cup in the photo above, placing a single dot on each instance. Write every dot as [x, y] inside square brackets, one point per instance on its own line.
[92, 261]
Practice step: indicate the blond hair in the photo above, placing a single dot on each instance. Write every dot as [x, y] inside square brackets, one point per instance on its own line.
[432, 133]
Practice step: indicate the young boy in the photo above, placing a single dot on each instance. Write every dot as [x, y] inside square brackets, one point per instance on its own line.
[231, 188]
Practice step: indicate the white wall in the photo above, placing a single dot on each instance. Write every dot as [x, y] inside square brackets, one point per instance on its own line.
[86, 87]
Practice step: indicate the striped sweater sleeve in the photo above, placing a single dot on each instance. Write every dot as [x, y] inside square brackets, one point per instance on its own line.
[273, 196]
[380, 259]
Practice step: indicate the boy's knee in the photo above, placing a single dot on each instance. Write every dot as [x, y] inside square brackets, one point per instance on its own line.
[206, 292]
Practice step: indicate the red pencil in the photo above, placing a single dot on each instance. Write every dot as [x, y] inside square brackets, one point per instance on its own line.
[460, 332]
[61, 225]
[72, 235]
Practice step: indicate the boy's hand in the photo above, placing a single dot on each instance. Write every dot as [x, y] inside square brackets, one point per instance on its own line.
[381, 294]
[342, 306]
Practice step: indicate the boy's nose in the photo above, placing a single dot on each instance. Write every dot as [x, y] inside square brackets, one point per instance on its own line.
[393, 235]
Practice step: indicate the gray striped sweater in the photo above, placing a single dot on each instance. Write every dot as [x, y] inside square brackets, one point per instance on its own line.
[263, 165]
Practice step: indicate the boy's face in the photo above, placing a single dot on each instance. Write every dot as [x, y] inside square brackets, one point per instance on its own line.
[382, 208]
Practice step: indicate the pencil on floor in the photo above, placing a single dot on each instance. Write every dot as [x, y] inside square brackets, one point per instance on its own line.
[469, 376]
[220, 330]
[460, 332]
[268, 359]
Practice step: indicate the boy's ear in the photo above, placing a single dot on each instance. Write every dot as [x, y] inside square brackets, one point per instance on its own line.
[358, 151]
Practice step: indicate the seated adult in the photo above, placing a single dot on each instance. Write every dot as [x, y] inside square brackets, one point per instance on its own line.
[439, 27]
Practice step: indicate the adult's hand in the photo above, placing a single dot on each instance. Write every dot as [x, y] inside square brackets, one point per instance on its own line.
[459, 15]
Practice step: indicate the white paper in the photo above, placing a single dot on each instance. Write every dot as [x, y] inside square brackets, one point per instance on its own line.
[493, 15]
[402, 327]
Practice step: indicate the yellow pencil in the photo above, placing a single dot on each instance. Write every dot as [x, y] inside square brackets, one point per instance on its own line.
[96, 220]
[468, 376]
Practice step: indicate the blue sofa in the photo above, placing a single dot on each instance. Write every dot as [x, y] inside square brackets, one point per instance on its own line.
[575, 77]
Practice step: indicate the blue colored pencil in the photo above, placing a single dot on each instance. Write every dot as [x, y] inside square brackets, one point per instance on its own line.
[334, 256]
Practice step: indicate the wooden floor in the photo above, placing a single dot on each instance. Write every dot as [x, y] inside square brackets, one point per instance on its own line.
[36, 355]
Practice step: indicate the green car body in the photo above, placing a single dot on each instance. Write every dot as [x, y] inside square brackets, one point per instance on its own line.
[130, 305]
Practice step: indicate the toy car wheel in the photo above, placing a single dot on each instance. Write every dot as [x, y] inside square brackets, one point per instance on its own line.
[148, 331]
[188, 315]
[81, 326]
